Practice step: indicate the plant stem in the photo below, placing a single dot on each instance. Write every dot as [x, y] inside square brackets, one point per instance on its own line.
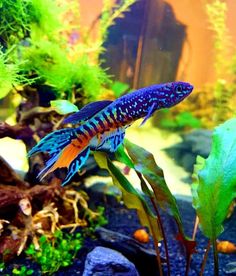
[205, 258]
[195, 228]
[216, 262]
[159, 221]
[187, 265]
[156, 249]
[148, 192]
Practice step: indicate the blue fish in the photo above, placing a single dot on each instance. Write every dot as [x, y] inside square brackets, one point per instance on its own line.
[103, 124]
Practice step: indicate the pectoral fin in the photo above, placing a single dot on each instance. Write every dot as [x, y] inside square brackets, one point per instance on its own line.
[109, 140]
[149, 114]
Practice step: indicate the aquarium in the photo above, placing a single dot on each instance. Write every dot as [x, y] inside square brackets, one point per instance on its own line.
[117, 137]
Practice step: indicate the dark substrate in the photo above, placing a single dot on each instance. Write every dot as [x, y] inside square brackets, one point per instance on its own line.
[126, 222]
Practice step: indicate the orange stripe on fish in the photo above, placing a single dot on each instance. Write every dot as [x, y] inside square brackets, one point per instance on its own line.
[102, 125]
[68, 154]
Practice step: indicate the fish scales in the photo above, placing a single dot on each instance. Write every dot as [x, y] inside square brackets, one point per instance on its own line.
[103, 125]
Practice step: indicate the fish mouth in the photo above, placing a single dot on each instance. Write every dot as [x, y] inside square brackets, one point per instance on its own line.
[190, 87]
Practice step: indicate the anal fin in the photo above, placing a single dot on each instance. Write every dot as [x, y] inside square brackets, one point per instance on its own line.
[76, 164]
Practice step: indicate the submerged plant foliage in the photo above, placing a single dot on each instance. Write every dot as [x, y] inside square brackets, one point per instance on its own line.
[144, 164]
[55, 253]
[224, 63]
[10, 74]
[215, 185]
[40, 34]
[214, 188]
[20, 17]
[50, 62]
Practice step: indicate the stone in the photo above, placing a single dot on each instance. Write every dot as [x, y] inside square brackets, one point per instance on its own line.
[102, 261]
[197, 142]
[230, 268]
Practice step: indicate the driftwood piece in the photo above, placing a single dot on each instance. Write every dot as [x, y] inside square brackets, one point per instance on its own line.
[9, 177]
[17, 131]
[10, 195]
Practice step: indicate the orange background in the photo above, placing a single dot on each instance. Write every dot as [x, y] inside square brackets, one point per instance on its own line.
[196, 63]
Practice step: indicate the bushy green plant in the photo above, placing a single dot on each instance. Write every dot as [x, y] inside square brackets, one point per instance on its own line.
[10, 74]
[57, 252]
[36, 30]
[20, 17]
[224, 63]
[49, 61]
[100, 220]
[22, 271]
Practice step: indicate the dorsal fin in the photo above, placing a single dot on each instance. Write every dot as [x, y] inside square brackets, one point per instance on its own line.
[86, 112]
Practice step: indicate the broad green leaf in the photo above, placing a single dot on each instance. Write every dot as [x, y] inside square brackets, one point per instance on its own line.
[146, 165]
[63, 106]
[133, 199]
[215, 185]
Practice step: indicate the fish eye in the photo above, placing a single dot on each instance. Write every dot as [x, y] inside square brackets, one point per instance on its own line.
[178, 88]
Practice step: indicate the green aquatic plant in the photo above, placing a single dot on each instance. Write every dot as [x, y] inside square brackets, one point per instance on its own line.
[110, 13]
[95, 222]
[20, 17]
[22, 271]
[214, 188]
[119, 88]
[224, 63]
[69, 79]
[15, 19]
[10, 74]
[39, 38]
[57, 252]
[158, 193]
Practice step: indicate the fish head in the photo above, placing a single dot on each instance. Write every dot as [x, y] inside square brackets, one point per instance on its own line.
[174, 92]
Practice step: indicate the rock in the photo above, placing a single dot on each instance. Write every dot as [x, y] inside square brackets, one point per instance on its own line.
[230, 268]
[102, 261]
[144, 258]
[197, 142]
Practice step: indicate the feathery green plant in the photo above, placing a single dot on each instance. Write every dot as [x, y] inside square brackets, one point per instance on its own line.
[10, 74]
[224, 63]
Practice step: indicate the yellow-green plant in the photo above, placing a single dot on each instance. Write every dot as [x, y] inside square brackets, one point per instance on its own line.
[39, 34]
[55, 253]
[224, 86]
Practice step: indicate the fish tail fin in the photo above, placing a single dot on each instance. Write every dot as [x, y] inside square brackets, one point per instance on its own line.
[66, 149]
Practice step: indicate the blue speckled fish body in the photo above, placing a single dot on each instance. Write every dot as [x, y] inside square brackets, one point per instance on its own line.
[103, 125]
